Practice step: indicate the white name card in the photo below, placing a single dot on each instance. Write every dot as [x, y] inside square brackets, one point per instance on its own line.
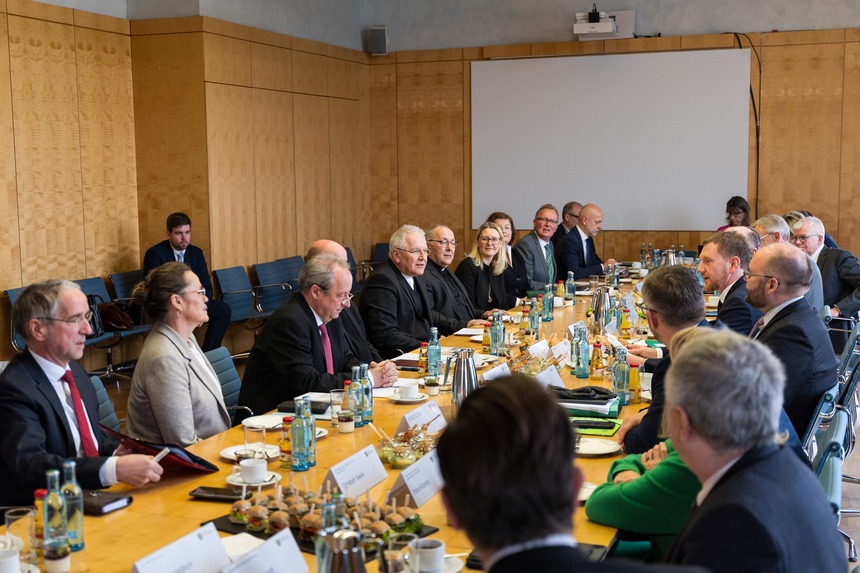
[426, 413]
[572, 327]
[279, 554]
[561, 351]
[499, 371]
[540, 349]
[200, 551]
[421, 481]
[357, 473]
[550, 377]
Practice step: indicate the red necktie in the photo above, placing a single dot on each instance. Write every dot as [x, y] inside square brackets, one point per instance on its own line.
[87, 444]
[329, 361]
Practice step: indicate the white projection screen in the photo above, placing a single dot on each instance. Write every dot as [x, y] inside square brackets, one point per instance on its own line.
[660, 141]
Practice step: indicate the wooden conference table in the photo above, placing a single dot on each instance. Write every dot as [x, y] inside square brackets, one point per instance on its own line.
[164, 512]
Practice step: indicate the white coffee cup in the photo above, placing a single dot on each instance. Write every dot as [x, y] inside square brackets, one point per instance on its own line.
[407, 390]
[252, 471]
[9, 561]
[431, 555]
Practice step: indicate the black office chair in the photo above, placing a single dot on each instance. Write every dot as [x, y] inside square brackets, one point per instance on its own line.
[231, 384]
[241, 297]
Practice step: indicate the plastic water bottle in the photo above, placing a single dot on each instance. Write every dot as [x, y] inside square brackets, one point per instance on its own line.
[434, 354]
[583, 361]
[74, 497]
[305, 404]
[497, 335]
[367, 386]
[547, 304]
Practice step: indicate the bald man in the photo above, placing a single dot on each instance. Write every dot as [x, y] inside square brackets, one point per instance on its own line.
[576, 251]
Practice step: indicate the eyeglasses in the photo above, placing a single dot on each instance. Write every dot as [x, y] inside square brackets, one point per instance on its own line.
[86, 317]
[545, 220]
[641, 308]
[414, 252]
[201, 292]
[802, 238]
[345, 300]
[748, 274]
[444, 242]
[490, 240]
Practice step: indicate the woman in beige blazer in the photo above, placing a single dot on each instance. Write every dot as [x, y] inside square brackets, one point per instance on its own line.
[175, 394]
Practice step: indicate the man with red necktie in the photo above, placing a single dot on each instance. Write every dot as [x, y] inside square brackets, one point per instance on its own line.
[48, 406]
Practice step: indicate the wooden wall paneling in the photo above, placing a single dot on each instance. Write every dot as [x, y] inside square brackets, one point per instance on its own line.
[170, 134]
[633, 45]
[226, 60]
[274, 175]
[429, 56]
[310, 73]
[801, 129]
[271, 67]
[343, 78]
[848, 236]
[430, 144]
[232, 198]
[100, 22]
[509, 51]
[383, 151]
[569, 48]
[109, 179]
[47, 149]
[349, 206]
[10, 254]
[467, 234]
[313, 171]
[362, 249]
[40, 11]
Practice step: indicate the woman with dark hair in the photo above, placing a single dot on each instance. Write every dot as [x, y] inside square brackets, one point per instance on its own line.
[515, 277]
[737, 213]
[481, 272]
[175, 394]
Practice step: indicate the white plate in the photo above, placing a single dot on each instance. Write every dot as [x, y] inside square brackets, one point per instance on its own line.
[321, 433]
[452, 565]
[229, 454]
[584, 293]
[421, 397]
[271, 479]
[625, 280]
[597, 447]
[268, 421]
[586, 490]
[479, 338]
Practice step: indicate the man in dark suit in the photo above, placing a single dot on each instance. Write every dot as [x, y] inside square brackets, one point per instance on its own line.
[534, 253]
[178, 247]
[840, 274]
[302, 347]
[452, 307]
[395, 304]
[513, 487]
[778, 277]
[724, 258]
[760, 509]
[48, 406]
[569, 218]
[576, 252]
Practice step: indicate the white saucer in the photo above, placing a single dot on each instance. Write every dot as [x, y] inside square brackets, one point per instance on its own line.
[271, 479]
[452, 565]
[421, 397]
[229, 453]
[321, 433]
[268, 421]
[479, 338]
[625, 280]
[585, 491]
[597, 447]
[584, 293]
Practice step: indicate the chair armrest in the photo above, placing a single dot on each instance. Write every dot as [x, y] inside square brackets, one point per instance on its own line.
[244, 408]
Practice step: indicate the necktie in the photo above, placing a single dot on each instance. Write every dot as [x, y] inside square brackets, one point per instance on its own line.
[589, 252]
[550, 263]
[87, 444]
[180, 257]
[756, 328]
[326, 342]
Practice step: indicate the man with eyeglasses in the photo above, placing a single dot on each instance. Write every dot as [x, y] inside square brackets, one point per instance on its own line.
[778, 277]
[302, 347]
[49, 411]
[178, 247]
[576, 252]
[569, 218]
[396, 305]
[535, 254]
[452, 307]
[840, 273]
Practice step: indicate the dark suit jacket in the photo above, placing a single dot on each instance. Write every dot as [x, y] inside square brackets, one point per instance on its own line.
[452, 307]
[288, 358]
[571, 257]
[393, 322]
[479, 282]
[35, 434]
[356, 336]
[798, 337]
[840, 277]
[162, 253]
[736, 313]
[766, 514]
[559, 235]
[529, 256]
[571, 559]
[646, 435]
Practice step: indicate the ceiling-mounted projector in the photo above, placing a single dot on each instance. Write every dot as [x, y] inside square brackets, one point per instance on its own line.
[600, 25]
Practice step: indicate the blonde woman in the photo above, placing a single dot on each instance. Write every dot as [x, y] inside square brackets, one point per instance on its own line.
[482, 271]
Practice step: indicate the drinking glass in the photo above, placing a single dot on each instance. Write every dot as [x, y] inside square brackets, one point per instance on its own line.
[21, 531]
[336, 401]
[398, 556]
[593, 282]
[255, 439]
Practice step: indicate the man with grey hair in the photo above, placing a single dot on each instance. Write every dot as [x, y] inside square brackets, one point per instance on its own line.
[302, 348]
[724, 258]
[49, 411]
[395, 304]
[535, 253]
[778, 277]
[569, 218]
[760, 509]
[840, 273]
[773, 229]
